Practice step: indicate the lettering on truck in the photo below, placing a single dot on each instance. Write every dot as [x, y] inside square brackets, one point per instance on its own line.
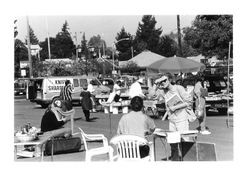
[57, 85]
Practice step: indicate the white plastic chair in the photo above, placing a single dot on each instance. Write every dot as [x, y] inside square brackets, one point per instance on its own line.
[105, 149]
[127, 147]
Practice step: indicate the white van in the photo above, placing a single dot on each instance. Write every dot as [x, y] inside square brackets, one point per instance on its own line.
[43, 90]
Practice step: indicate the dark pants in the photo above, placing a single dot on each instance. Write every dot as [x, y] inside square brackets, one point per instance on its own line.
[87, 114]
[117, 98]
[175, 152]
[144, 150]
[67, 105]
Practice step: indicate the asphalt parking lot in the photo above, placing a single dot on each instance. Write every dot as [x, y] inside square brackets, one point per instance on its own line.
[222, 136]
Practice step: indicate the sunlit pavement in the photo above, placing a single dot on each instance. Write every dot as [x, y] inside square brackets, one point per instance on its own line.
[106, 124]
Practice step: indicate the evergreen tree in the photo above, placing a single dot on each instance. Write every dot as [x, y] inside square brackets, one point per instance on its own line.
[64, 46]
[84, 51]
[167, 46]
[147, 36]
[20, 53]
[123, 46]
[33, 38]
[44, 53]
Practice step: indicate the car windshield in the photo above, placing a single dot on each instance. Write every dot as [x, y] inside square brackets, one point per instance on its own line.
[219, 83]
[95, 82]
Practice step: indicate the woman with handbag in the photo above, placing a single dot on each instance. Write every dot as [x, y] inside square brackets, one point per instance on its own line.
[200, 106]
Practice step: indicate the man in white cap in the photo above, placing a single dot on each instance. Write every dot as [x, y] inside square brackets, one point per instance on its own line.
[136, 90]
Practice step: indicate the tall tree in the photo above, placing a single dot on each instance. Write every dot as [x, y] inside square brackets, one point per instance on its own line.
[33, 38]
[167, 46]
[210, 34]
[44, 53]
[123, 44]
[20, 53]
[84, 51]
[63, 43]
[98, 44]
[147, 35]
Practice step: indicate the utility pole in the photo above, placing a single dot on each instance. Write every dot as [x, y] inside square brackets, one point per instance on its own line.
[29, 52]
[179, 36]
[76, 46]
[48, 38]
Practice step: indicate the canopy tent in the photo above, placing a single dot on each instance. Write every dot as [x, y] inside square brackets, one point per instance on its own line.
[144, 59]
[175, 65]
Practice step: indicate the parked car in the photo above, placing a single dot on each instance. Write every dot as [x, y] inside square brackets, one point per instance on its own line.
[20, 86]
[109, 82]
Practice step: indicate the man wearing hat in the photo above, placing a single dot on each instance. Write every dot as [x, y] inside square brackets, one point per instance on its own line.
[52, 118]
[136, 90]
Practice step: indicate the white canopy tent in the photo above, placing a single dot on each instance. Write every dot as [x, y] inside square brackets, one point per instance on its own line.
[143, 59]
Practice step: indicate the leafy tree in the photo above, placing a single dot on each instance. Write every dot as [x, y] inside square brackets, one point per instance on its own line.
[20, 53]
[123, 46]
[131, 68]
[167, 46]
[98, 44]
[84, 47]
[44, 53]
[210, 35]
[147, 36]
[187, 50]
[33, 38]
[64, 45]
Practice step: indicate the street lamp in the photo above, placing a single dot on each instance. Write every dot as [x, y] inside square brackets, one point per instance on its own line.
[113, 52]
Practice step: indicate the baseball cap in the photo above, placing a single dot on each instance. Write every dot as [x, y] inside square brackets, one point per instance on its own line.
[161, 79]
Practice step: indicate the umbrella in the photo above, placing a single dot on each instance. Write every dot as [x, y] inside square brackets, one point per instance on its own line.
[175, 65]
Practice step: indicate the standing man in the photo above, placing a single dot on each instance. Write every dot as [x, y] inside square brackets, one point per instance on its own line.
[65, 95]
[136, 90]
[92, 90]
[177, 115]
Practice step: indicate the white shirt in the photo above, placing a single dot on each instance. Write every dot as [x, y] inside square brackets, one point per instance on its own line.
[116, 89]
[90, 88]
[135, 90]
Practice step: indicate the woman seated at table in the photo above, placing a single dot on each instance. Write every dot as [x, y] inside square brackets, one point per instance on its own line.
[137, 123]
[116, 93]
[53, 118]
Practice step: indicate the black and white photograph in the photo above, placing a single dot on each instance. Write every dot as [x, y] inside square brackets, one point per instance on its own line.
[109, 88]
[76, 78]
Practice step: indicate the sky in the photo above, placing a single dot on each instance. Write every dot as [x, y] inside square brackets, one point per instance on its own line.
[107, 26]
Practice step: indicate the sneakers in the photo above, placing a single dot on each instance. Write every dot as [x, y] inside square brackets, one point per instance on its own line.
[205, 132]
[93, 110]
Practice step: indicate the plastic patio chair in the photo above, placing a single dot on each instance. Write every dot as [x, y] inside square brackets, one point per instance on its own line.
[127, 147]
[105, 149]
